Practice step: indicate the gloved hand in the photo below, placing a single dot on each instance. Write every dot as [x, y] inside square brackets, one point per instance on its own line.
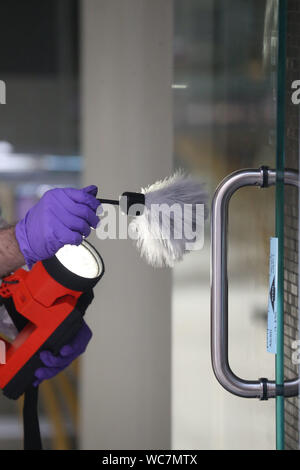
[61, 217]
[55, 364]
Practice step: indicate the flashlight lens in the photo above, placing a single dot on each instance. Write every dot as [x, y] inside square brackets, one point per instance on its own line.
[82, 260]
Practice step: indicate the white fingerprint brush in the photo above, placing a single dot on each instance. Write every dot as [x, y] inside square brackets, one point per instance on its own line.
[167, 218]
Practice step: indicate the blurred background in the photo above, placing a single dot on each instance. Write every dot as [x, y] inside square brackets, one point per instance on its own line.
[118, 93]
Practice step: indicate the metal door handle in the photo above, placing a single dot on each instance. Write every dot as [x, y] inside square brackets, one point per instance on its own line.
[261, 388]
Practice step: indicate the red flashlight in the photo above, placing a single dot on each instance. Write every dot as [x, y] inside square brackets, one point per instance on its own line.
[47, 305]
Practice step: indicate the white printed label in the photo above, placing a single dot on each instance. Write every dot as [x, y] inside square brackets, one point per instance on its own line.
[272, 303]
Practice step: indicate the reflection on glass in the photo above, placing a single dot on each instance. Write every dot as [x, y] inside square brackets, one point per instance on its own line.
[224, 120]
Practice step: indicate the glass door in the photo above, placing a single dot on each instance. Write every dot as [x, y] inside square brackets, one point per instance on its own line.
[225, 105]
[287, 216]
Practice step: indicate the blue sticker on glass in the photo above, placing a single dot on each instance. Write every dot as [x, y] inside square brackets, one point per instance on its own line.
[272, 303]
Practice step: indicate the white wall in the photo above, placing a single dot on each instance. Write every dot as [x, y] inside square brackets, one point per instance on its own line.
[127, 143]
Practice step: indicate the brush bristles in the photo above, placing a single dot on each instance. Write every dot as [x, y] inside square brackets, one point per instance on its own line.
[170, 224]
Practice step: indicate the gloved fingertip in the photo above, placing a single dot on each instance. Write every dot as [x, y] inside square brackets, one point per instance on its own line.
[92, 189]
[77, 239]
[88, 232]
[47, 358]
[95, 225]
[36, 383]
[39, 373]
[44, 355]
[85, 333]
[66, 351]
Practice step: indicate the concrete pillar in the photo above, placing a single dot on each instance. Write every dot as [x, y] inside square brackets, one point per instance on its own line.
[125, 395]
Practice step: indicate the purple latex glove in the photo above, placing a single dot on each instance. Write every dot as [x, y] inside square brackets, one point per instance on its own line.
[61, 217]
[55, 364]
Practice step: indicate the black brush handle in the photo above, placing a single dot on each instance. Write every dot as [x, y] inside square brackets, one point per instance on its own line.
[109, 201]
[126, 201]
